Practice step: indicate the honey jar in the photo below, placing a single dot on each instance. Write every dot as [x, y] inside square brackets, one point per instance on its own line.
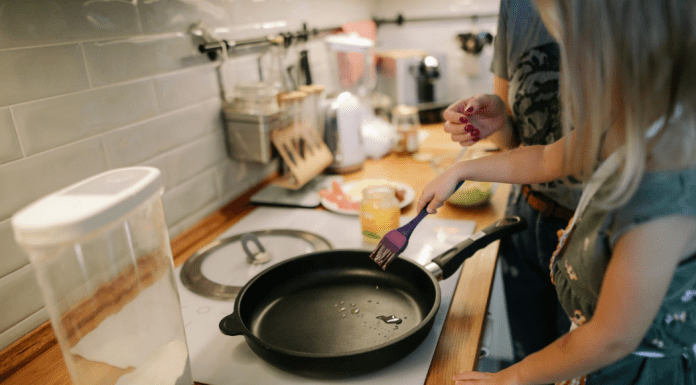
[379, 212]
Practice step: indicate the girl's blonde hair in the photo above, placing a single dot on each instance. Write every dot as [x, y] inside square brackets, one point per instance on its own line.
[626, 63]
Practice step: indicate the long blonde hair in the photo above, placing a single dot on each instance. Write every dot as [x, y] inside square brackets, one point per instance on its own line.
[626, 63]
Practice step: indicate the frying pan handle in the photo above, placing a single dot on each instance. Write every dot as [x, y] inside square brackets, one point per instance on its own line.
[447, 263]
[232, 325]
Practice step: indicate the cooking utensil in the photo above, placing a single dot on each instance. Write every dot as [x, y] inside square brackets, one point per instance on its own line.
[334, 313]
[395, 241]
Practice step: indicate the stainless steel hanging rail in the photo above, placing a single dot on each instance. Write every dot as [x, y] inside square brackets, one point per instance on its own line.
[400, 19]
[213, 49]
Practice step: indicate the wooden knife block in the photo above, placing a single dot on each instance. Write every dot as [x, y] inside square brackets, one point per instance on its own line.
[304, 152]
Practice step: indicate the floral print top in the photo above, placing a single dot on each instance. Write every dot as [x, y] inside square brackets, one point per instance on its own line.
[577, 269]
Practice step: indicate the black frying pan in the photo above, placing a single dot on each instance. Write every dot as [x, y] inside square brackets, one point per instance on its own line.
[336, 313]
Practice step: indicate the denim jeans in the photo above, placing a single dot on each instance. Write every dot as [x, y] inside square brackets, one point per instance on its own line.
[535, 315]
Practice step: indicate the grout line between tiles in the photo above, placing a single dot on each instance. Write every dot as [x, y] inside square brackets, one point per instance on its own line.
[19, 137]
[84, 61]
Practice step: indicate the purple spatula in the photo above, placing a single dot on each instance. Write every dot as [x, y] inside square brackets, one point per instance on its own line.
[395, 241]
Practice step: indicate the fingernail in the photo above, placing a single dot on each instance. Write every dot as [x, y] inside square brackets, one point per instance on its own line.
[476, 139]
[469, 128]
[475, 132]
[470, 109]
[463, 120]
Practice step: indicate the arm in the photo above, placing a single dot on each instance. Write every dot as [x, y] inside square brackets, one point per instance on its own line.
[505, 138]
[522, 165]
[634, 285]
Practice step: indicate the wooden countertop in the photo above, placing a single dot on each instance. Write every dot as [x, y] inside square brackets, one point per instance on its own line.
[36, 358]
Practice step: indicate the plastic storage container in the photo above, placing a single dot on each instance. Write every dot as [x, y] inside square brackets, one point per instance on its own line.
[101, 253]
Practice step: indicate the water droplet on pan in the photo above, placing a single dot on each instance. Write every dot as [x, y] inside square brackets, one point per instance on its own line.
[390, 319]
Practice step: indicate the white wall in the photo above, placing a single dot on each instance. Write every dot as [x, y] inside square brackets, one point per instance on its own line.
[466, 74]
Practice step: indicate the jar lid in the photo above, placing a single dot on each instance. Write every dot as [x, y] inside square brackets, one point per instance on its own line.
[292, 96]
[255, 90]
[312, 88]
[79, 209]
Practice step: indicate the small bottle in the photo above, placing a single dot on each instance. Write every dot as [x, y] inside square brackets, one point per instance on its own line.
[379, 212]
[405, 119]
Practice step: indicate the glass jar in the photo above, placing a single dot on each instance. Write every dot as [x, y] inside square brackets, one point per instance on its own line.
[405, 119]
[379, 212]
[255, 99]
[313, 118]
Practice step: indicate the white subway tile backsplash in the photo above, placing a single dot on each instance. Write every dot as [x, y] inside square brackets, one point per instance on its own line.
[9, 143]
[233, 178]
[185, 88]
[20, 297]
[52, 122]
[188, 198]
[36, 22]
[178, 15]
[193, 159]
[212, 115]
[30, 74]
[12, 257]
[123, 60]
[20, 329]
[137, 143]
[25, 180]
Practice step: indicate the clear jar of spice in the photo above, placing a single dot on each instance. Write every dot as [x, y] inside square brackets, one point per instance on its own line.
[379, 212]
[405, 119]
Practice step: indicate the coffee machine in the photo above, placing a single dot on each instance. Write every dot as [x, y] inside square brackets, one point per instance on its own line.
[350, 64]
[414, 78]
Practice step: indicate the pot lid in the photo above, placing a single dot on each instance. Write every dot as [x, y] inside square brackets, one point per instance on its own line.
[220, 269]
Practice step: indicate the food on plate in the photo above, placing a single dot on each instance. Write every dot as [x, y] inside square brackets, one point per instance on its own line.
[472, 193]
[338, 197]
[350, 199]
[400, 194]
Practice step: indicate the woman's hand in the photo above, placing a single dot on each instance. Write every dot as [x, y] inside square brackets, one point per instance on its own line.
[470, 120]
[504, 377]
[439, 189]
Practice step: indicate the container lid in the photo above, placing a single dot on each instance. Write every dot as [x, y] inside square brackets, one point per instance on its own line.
[69, 214]
[255, 90]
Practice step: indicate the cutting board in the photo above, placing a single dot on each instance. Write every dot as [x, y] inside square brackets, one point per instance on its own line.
[307, 196]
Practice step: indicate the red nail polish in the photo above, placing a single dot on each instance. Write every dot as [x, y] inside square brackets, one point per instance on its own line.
[475, 132]
[469, 128]
[476, 139]
[463, 120]
[470, 109]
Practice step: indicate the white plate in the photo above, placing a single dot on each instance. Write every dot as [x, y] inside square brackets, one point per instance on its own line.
[354, 191]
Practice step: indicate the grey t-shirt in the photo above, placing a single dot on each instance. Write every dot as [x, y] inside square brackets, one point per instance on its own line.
[528, 57]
